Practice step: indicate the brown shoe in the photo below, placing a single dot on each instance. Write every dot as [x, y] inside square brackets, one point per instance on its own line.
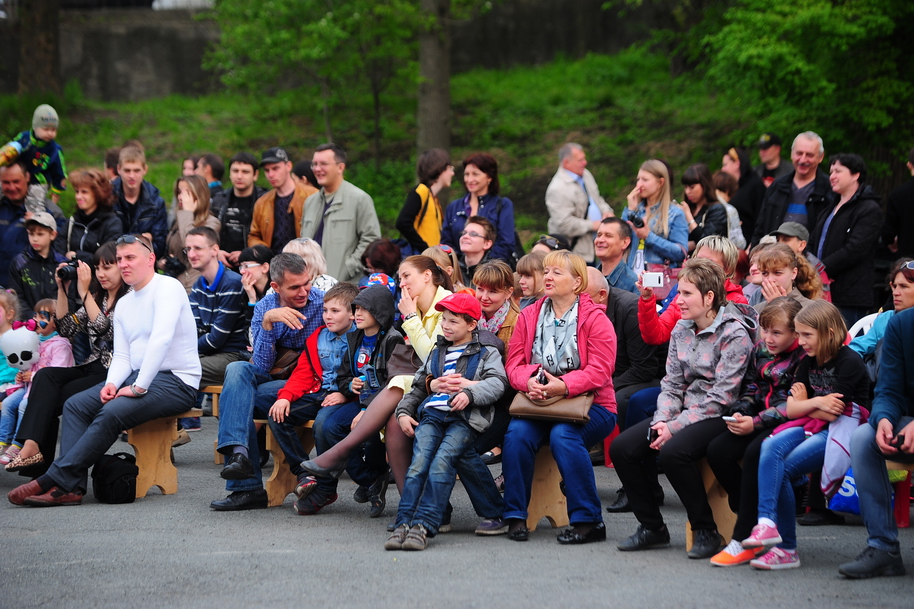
[18, 495]
[54, 497]
[21, 463]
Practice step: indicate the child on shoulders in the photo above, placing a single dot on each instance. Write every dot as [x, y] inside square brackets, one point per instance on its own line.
[453, 397]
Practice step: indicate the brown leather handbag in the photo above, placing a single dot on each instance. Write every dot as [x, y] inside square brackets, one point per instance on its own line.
[284, 364]
[403, 360]
[557, 409]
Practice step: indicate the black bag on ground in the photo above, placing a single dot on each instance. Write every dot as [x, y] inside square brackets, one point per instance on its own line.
[114, 478]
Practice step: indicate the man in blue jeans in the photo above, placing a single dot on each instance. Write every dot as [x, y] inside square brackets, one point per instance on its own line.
[282, 320]
[889, 436]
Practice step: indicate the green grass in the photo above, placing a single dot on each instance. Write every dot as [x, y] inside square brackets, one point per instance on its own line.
[623, 109]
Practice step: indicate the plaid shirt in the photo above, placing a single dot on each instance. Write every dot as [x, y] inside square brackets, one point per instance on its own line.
[266, 342]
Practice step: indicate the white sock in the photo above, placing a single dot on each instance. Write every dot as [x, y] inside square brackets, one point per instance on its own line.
[768, 522]
[734, 548]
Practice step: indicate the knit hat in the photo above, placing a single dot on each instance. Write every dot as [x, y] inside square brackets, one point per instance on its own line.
[461, 303]
[45, 116]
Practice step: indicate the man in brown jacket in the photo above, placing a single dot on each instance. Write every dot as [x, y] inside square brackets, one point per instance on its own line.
[277, 214]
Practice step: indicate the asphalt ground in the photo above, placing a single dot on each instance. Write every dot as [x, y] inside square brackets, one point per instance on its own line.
[173, 551]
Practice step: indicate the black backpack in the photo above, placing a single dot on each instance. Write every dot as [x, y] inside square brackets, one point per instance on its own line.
[114, 478]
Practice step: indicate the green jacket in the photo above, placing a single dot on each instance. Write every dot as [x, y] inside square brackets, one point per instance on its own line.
[350, 224]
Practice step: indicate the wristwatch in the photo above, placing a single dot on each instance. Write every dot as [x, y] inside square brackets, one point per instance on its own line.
[137, 392]
[410, 316]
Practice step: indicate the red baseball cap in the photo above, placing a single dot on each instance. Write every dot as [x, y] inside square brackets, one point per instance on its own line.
[461, 304]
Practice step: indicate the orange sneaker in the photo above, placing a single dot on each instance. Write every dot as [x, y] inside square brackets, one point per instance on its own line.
[734, 555]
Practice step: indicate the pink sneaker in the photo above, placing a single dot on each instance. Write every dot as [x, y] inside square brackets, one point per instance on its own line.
[776, 559]
[11, 453]
[762, 536]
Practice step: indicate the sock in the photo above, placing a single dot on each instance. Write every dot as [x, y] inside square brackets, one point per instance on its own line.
[240, 449]
[734, 548]
[46, 483]
[768, 522]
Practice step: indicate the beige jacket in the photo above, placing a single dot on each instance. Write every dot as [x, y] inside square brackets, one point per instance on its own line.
[567, 204]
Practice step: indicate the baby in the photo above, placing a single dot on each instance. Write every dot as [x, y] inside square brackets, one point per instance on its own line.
[43, 154]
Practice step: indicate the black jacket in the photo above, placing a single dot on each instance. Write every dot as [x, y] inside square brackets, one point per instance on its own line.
[147, 216]
[748, 200]
[711, 220]
[378, 301]
[777, 198]
[899, 219]
[849, 247]
[636, 362]
[235, 220]
[87, 233]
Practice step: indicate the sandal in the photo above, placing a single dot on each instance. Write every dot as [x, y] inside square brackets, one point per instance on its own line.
[19, 463]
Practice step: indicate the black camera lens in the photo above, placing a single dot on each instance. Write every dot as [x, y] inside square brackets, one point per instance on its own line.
[68, 273]
[637, 222]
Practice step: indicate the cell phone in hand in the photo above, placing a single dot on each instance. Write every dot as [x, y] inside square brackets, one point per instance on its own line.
[541, 376]
[652, 434]
[729, 419]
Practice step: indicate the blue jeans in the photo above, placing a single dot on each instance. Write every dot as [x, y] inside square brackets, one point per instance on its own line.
[441, 440]
[11, 417]
[301, 411]
[88, 428]
[641, 405]
[246, 392]
[570, 444]
[365, 463]
[785, 458]
[873, 486]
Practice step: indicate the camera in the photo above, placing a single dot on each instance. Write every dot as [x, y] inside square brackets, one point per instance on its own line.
[637, 222]
[174, 267]
[652, 280]
[68, 272]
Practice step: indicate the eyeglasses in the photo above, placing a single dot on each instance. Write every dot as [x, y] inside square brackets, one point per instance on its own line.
[472, 233]
[550, 242]
[444, 247]
[196, 248]
[132, 239]
[909, 265]
[322, 165]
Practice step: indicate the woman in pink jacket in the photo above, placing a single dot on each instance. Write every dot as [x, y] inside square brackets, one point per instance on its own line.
[573, 341]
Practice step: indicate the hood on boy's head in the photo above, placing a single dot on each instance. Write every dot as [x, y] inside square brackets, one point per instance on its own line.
[378, 301]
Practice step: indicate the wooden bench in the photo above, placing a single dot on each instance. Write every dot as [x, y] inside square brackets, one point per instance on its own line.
[724, 517]
[546, 497]
[282, 481]
[902, 494]
[151, 444]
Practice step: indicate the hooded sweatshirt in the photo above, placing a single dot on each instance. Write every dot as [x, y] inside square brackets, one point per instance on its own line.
[705, 370]
[378, 301]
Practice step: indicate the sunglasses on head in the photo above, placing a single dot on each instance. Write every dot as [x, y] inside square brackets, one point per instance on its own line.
[909, 265]
[550, 242]
[132, 239]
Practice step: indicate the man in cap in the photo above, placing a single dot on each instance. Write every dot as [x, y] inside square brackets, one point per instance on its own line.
[277, 214]
[772, 166]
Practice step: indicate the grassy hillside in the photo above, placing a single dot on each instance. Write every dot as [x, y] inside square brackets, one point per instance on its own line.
[623, 108]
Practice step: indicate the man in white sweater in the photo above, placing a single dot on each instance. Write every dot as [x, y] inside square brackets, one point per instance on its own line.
[154, 373]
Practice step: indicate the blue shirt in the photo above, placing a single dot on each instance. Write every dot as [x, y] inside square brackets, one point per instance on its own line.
[623, 277]
[331, 349]
[265, 342]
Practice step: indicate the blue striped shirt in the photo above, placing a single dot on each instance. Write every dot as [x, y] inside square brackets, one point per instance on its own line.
[219, 313]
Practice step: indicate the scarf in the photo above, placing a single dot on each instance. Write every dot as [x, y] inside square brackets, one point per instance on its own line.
[555, 344]
[494, 323]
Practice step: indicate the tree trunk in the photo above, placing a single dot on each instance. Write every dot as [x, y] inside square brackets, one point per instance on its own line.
[434, 76]
[39, 47]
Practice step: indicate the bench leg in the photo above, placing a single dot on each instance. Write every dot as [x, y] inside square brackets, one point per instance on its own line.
[282, 481]
[546, 498]
[151, 444]
[724, 517]
[903, 502]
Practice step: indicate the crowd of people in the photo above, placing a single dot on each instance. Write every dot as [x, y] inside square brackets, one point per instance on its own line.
[716, 327]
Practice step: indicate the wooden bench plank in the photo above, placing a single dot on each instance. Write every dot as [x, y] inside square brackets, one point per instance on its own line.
[724, 517]
[282, 481]
[546, 497]
[151, 444]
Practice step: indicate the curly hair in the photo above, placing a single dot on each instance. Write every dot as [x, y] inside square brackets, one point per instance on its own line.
[98, 183]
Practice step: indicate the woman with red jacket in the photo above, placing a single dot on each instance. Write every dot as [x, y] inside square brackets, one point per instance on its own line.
[572, 341]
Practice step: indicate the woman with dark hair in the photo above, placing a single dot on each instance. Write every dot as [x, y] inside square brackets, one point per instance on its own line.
[704, 214]
[748, 198]
[382, 256]
[846, 234]
[94, 221]
[421, 218]
[480, 176]
[192, 194]
[51, 387]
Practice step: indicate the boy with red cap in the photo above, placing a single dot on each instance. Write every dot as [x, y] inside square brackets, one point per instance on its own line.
[453, 397]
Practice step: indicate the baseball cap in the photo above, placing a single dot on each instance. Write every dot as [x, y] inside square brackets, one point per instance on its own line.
[792, 229]
[768, 140]
[44, 219]
[274, 155]
[461, 304]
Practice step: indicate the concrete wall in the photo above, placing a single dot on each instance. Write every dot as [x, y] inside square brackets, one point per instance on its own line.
[131, 54]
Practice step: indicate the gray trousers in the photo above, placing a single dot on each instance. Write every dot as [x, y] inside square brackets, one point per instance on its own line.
[89, 428]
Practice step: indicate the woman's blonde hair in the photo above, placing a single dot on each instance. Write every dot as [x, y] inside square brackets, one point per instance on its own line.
[723, 246]
[445, 259]
[311, 252]
[779, 256]
[658, 170]
[532, 265]
[825, 318]
[572, 262]
[199, 189]
[707, 277]
[9, 302]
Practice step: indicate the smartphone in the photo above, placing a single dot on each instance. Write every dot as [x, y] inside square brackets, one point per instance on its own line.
[652, 280]
[652, 434]
[541, 376]
[729, 419]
